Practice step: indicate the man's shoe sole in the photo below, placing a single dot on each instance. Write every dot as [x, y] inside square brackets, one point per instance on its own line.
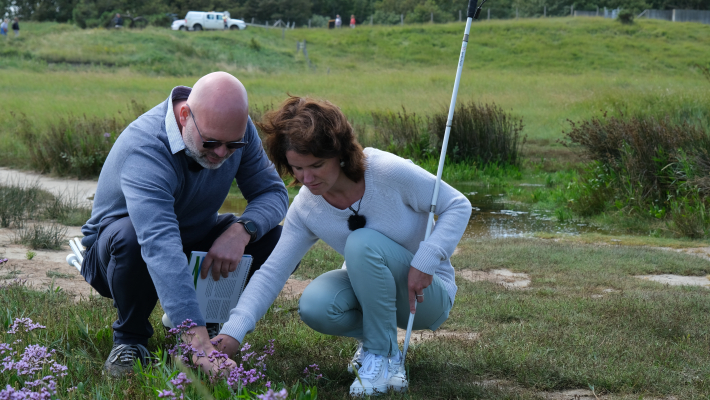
[116, 371]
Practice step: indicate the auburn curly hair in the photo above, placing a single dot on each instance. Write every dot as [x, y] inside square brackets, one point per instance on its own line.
[310, 126]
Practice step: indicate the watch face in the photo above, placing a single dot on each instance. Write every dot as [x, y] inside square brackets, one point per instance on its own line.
[250, 227]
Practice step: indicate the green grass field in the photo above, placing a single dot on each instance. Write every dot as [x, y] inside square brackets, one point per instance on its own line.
[547, 71]
[585, 321]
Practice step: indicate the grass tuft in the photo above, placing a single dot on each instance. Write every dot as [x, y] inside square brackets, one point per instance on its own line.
[39, 236]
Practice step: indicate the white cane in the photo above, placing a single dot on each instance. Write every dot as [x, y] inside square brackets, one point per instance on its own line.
[473, 11]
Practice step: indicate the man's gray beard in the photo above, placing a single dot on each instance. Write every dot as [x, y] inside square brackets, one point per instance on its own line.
[192, 152]
[202, 160]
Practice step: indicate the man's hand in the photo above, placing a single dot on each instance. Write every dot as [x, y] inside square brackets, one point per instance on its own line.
[417, 282]
[199, 340]
[226, 252]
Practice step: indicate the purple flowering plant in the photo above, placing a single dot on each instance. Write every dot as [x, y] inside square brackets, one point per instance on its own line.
[34, 370]
[246, 381]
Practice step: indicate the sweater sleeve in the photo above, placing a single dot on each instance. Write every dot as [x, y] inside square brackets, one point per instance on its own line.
[266, 283]
[266, 195]
[148, 182]
[452, 208]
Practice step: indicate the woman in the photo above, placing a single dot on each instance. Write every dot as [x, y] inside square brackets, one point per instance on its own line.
[372, 207]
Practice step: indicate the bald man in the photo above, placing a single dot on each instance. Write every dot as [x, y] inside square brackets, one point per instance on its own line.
[157, 200]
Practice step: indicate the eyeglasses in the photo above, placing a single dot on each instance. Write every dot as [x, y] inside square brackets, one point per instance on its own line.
[213, 144]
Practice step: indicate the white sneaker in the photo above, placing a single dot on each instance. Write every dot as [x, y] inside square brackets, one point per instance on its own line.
[378, 374]
[358, 359]
[397, 375]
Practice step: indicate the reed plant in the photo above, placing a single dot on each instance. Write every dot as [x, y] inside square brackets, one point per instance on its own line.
[74, 145]
[482, 132]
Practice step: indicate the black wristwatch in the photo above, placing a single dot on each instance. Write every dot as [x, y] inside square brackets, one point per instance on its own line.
[249, 226]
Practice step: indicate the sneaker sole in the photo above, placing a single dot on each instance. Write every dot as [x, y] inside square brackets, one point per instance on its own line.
[358, 392]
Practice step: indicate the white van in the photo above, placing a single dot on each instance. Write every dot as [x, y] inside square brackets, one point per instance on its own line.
[210, 20]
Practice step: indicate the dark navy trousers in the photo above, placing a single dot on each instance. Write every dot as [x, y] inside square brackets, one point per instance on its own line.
[114, 267]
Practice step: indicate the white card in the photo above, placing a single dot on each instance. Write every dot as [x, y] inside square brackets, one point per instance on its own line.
[218, 298]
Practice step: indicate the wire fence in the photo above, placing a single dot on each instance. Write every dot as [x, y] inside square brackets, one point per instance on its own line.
[487, 13]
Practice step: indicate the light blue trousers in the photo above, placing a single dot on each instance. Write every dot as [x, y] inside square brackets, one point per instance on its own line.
[370, 299]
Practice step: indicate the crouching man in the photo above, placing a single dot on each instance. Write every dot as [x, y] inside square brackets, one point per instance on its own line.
[157, 200]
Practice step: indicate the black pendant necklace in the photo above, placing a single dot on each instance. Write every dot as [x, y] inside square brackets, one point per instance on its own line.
[356, 221]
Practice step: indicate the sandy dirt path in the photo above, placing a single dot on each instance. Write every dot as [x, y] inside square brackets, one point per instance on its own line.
[82, 189]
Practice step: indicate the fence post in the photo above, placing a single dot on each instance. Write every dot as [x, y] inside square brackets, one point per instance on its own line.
[544, 11]
[516, 12]
[489, 13]
[283, 32]
[597, 11]
[266, 24]
[252, 21]
[459, 15]
[309, 24]
[401, 19]
[370, 20]
[571, 10]
[432, 18]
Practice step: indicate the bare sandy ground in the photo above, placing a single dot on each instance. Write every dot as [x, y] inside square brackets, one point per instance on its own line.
[503, 277]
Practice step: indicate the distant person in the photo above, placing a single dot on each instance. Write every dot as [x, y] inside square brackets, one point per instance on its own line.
[16, 26]
[3, 27]
[226, 16]
[338, 21]
[118, 21]
[352, 21]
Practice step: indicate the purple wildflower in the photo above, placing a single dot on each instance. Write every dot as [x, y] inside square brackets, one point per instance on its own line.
[107, 135]
[166, 393]
[180, 381]
[24, 325]
[271, 395]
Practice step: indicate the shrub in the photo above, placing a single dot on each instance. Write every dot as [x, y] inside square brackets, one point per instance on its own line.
[646, 165]
[74, 146]
[254, 45]
[626, 17]
[401, 133]
[480, 132]
[319, 21]
[647, 154]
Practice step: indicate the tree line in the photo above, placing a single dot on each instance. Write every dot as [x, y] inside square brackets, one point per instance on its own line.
[93, 13]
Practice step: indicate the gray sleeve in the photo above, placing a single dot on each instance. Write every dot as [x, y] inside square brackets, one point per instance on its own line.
[261, 185]
[452, 208]
[148, 182]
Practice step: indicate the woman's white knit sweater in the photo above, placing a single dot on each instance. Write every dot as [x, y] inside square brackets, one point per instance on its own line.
[396, 203]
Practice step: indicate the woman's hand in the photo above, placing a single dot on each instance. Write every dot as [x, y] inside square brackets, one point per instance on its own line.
[417, 282]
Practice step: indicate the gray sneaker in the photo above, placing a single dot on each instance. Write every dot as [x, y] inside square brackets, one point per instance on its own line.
[122, 357]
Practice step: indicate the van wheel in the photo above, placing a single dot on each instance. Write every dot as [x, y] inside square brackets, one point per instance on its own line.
[197, 27]
[233, 28]
[182, 28]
